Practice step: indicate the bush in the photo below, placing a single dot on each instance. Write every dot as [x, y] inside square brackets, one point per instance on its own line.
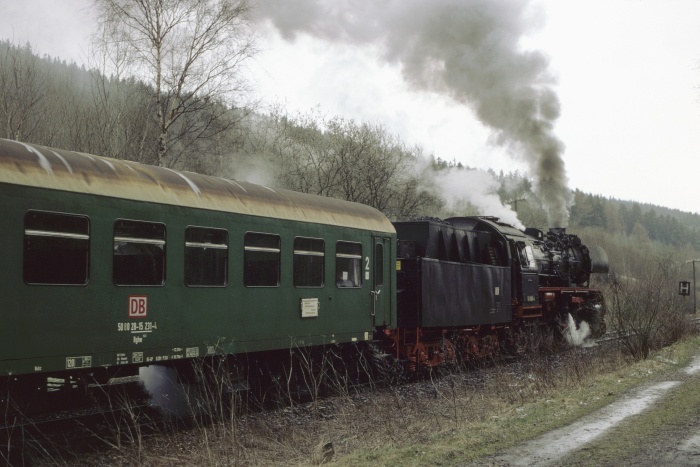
[645, 312]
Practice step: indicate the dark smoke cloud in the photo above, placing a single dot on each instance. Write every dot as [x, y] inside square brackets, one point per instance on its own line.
[467, 49]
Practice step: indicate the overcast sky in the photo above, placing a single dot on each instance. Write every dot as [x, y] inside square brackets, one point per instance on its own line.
[627, 76]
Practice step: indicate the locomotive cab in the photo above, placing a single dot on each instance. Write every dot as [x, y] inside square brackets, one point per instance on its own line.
[519, 256]
[524, 262]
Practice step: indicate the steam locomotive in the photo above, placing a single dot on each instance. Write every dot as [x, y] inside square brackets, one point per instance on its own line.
[467, 285]
[109, 266]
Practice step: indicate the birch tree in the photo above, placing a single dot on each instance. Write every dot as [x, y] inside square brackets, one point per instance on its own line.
[190, 52]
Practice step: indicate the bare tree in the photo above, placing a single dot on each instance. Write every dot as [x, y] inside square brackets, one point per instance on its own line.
[344, 159]
[23, 90]
[646, 312]
[190, 52]
[120, 109]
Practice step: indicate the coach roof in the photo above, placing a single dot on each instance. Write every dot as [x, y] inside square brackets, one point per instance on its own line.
[39, 166]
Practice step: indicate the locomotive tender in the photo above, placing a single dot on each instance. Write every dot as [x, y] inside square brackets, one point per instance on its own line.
[109, 265]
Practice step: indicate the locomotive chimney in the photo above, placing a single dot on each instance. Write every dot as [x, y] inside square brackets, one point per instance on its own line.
[557, 230]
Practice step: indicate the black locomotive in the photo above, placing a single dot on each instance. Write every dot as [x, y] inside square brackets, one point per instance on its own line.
[466, 284]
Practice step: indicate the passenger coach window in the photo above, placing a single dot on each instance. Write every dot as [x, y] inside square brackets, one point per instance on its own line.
[56, 248]
[261, 260]
[348, 264]
[139, 253]
[206, 257]
[379, 264]
[309, 258]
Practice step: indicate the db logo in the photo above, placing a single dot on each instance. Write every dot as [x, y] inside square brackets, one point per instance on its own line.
[138, 306]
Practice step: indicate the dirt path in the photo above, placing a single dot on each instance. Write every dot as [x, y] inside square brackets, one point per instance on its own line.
[610, 436]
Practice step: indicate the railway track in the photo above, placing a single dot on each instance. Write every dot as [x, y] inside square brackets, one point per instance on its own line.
[615, 335]
[103, 397]
[69, 431]
[76, 424]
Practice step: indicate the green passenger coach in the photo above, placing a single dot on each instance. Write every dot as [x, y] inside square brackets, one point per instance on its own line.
[109, 263]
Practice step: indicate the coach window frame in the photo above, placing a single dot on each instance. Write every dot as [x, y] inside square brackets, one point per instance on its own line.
[351, 259]
[378, 264]
[44, 243]
[307, 254]
[255, 257]
[204, 246]
[150, 249]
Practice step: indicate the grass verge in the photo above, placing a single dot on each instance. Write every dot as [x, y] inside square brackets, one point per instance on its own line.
[558, 405]
[453, 420]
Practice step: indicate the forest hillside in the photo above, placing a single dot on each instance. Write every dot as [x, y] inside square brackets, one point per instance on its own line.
[47, 101]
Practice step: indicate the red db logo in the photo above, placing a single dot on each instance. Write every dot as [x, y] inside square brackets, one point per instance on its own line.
[138, 306]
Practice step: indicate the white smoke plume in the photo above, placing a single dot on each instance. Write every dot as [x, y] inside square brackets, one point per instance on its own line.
[466, 49]
[166, 394]
[477, 187]
[574, 335]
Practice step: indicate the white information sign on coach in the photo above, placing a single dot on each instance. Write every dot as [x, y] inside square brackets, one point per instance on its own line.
[309, 307]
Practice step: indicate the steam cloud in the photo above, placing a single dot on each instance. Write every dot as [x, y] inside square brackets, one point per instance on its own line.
[574, 335]
[478, 187]
[466, 49]
[166, 394]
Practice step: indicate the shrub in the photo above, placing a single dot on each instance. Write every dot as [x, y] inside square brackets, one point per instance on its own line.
[645, 312]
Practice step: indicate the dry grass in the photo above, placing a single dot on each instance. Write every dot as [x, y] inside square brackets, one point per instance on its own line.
[458, 417]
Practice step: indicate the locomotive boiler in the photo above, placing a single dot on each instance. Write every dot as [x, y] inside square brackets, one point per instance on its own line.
[562, 260]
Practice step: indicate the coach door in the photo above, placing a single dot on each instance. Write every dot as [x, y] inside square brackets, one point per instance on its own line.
[381, 281]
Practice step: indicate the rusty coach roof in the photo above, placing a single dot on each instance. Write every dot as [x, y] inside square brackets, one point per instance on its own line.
[39, 166]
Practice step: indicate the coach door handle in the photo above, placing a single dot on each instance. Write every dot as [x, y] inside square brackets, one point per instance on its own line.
[374, 294]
